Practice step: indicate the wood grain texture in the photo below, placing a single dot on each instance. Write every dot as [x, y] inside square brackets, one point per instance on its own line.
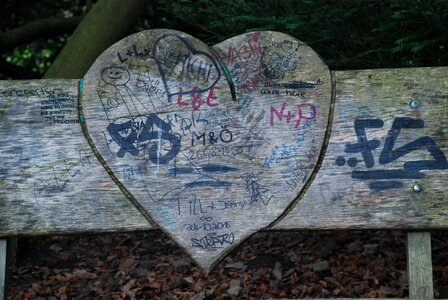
[420, 265]
[50, 180]
[367, 178]
[3, 267]
[208, 168]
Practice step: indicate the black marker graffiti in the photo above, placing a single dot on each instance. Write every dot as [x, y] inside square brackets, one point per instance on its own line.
[277, 62]
[177, 59]
[294, 84]
[224, 136]
[213, 241]
[388, 154]
[118, 80]
[411, 169]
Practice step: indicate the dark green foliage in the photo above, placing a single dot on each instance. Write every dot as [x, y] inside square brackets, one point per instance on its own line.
[32, 60]
[347, 34]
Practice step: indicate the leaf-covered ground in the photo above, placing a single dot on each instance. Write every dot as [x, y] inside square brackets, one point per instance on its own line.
[270, 264]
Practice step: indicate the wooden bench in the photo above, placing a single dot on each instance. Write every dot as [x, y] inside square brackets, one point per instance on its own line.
[213, 144]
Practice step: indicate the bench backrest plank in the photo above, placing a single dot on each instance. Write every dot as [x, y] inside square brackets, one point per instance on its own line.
[51, 181]
[355, 190]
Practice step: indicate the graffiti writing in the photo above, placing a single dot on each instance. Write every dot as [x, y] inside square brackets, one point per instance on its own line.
[196, 95]
[213, 241]
[215, 150]
[280, 153]
[134, 136]
[280, 59]
[56, 178]
[133, 51]
[250, 49]
[207, 224]
[196, 206]
[410, 170]
[224, 136]
[305, 111]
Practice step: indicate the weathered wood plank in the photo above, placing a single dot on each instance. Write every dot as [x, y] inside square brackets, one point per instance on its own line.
[50, 180]
[211, 166]
[368, 176]
[420, 265]
[3, 267]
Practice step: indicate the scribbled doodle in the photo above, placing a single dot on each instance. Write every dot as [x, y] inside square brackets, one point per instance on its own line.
[113, 102]
[151, 85]
[129, 173]
[297, 177]
[132, 137]
[121, 96]
[243, 62]
[279, 60]
[244, 77]
[301, 172]
[84, 157]
[115, 76]
[184, 125]
[255, 189]
[251, 143]
[58, 178]
[411, 169]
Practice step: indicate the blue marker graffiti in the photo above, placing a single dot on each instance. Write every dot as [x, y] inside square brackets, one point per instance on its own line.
[132, 137]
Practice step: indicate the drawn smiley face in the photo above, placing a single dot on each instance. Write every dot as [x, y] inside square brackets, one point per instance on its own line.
[115, 76]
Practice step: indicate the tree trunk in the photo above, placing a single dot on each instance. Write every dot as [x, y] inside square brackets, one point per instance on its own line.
[107, 22]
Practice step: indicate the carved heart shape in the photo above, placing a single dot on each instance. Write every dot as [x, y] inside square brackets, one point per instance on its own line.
[210, 170]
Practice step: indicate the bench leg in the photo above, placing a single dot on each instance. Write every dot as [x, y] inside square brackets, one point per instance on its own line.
[420, 265]
[3, 266]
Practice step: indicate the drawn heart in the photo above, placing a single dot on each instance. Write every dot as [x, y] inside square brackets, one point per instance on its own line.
[184, 69]
[208, 169]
